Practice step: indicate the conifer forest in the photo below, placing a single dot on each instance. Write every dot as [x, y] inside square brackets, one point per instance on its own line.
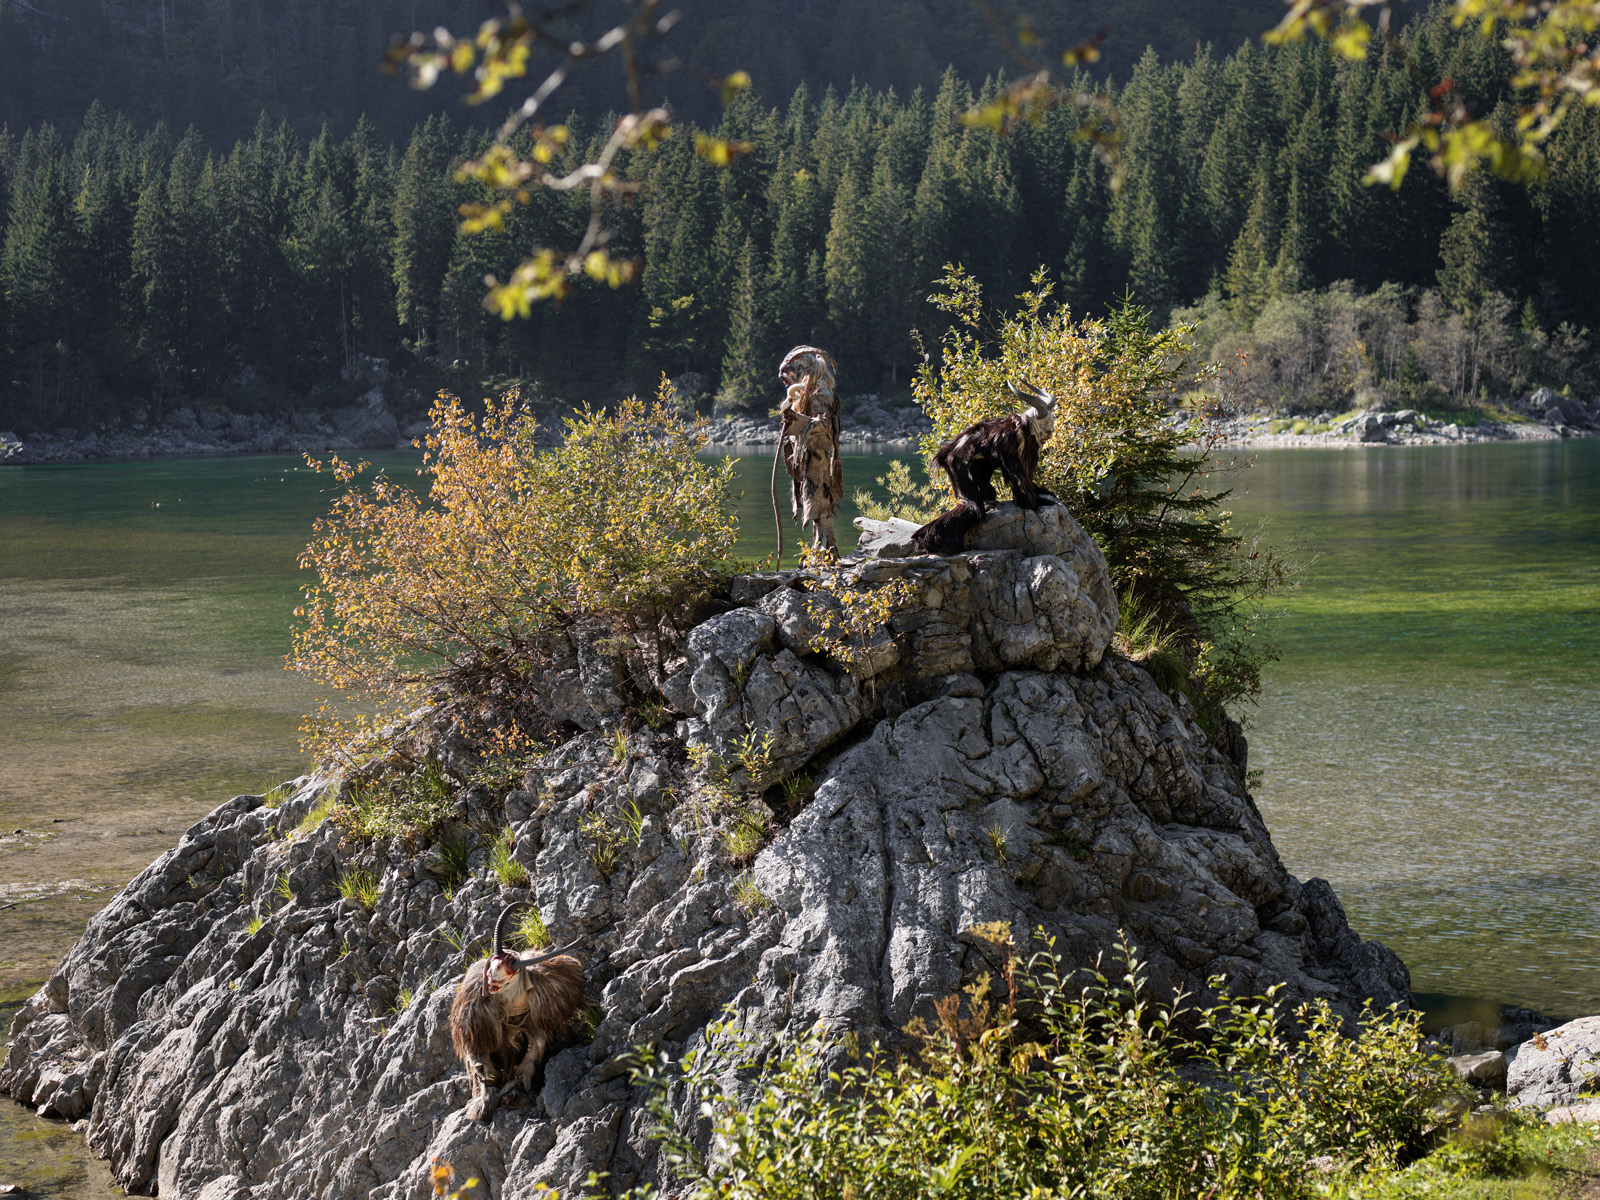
[154, 254]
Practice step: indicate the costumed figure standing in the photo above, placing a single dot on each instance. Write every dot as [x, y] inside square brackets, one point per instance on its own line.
[809, 442]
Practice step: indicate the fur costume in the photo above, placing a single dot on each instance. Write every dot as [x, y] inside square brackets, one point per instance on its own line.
[810, 440]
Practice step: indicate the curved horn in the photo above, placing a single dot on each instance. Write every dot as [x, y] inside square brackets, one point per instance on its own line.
[1026, 391]
[539, 958]
[500, 924]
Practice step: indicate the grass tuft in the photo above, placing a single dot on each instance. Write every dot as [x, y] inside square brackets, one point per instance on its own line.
[750, 898]
[455, 859]
[275, 796]
[360, 885]
[507, 869]
[530, 932]
[744, 837]
[315, 817]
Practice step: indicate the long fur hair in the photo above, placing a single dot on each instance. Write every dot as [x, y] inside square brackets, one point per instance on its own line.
[813, 397]
[969, 460]
[495, 1026]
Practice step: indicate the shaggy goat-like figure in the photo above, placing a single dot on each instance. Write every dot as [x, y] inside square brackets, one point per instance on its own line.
[504, 1014]
[809, 441]
[969, 460]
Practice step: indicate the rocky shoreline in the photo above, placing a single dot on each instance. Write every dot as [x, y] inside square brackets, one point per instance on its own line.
[1548, 416]
[370, 425]
[870, 424]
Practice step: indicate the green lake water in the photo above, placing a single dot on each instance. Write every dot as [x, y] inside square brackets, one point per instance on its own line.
[1429, 740]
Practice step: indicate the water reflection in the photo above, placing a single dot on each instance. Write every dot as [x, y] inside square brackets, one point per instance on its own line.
[46, 1158]
[1429, 740]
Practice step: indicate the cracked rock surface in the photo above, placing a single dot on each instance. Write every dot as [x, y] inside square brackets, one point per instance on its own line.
[232, 1027]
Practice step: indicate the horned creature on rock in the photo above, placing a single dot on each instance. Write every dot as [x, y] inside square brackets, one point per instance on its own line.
[969, 460]
[506, 1011]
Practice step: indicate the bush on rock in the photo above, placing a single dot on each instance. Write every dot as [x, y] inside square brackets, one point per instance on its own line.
[514, 547]
[1067, 1086]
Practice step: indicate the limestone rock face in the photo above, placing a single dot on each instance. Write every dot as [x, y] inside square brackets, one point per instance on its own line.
[983, 758]
[1554, 1067]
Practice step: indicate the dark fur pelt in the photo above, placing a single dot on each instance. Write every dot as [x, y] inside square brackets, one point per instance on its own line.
[969, 460]
[947, 534]
[497, 1028]
[1004, 444]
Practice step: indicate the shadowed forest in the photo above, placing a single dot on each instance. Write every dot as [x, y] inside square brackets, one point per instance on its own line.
[156, 255]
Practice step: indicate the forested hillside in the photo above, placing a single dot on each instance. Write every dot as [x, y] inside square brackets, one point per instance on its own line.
[144, 267]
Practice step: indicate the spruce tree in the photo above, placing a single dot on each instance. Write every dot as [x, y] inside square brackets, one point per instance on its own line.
[848, 272]
[40, 266]
[424, 231]
[1255, 250]
[749, 360]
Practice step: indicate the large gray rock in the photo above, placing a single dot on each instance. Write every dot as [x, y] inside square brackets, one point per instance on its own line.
[368, 424]
[888, 538]
[986, 760]
[1555, 1067]
[1371, 427]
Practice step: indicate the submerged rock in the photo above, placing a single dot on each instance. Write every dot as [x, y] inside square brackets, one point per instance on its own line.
[236, 1023]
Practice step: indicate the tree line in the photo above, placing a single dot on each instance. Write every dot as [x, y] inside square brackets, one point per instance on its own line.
[142, 268]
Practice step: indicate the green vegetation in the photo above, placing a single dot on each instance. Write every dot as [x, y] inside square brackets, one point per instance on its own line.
[397, 806]
[904, 497]
[478, 584]
[314, 817]
[746, 833]
[503, 863]
[607, 840]
[1190, 586]
[1418, 348]
[254, 925]
[274, 796]
[747, 896]
[530, 932]
[360, 885]
[455, 859]
[999, 848]
[1043, 1089]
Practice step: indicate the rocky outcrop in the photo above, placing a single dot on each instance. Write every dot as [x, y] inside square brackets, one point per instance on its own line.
[236, 1024]
[1556, 1067]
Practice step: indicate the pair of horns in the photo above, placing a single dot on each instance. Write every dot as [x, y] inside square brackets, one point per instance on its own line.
[500, 936]
[801, 351]
[1026, 391]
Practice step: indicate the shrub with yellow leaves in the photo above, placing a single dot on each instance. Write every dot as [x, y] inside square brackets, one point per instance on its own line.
[513, 546]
